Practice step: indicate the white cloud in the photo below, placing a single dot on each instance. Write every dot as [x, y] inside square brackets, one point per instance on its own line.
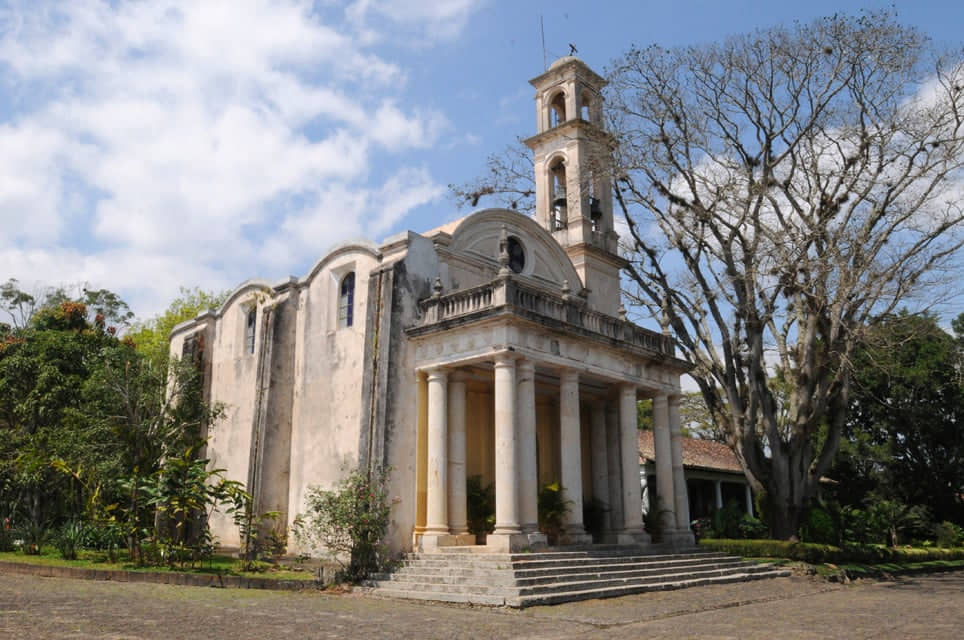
[425, 21]
[153, 144]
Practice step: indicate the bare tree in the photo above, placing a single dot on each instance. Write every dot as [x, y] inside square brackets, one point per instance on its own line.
[782, 190]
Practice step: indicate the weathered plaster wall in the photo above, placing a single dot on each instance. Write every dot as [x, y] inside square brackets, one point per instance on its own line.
[328, 364]
[234, 371]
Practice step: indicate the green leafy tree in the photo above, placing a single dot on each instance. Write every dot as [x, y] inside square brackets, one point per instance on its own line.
[152, 337]
[903, 435]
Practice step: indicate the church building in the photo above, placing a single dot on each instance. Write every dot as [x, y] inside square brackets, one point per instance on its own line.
[494, 346]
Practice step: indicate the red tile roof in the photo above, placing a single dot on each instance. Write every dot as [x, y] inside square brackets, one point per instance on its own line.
[696, 453]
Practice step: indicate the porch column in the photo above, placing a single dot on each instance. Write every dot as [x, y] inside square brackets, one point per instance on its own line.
[718, 493]
[749, 500]
[614, 464]
[436, 517]
[528, 470]
[571, 455]
[683, 535]
[508, 532]
[632, 502]
[666, 502]
[600, 468]
[679, 478]
[458, 524]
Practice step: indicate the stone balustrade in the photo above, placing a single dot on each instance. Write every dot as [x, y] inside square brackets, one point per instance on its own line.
[507, 293]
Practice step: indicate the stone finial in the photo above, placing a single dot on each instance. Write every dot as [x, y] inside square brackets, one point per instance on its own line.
[622, 312]
[504, 252]
[437, 287]
[565, 290]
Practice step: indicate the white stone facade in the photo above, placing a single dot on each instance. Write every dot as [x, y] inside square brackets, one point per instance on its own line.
[491, 347]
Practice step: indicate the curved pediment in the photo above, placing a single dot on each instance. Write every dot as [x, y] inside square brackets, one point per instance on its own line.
[477, 238]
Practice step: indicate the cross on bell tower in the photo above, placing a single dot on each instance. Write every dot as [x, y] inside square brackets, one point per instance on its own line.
[573, 174]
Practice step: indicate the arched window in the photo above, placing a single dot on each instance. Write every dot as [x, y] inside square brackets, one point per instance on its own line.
[585, 106]
[346, 301]
[558, 210]
[251, 323]
[557, 110]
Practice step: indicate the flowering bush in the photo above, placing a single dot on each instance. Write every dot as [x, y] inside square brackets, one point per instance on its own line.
[348, 522]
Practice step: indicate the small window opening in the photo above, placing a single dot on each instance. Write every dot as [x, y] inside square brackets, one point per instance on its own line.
[558, 208]
[346, 301]
[251, 324]
[517, 255]
[585, 107]
[557, 111]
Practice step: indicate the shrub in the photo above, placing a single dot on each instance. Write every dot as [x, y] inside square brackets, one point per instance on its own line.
[823, 553]
[819, 527]
[33, 535]
[751, 528]
[480, 503]
[702, 528]
[726, 521]
[552, 511]
[70, 538]
[948, 534]
[349, 522]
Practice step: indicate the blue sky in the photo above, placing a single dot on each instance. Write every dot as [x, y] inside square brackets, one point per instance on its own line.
[149, 145]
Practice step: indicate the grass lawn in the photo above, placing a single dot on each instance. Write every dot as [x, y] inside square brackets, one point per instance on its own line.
[218, 564]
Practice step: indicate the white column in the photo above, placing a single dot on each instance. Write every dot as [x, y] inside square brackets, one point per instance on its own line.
[571, 453]
[718, 493]
[749, 500]
[506, 444]
[666, 502]
[600, 467]
[680, 494]
[629, 432]
[528, 470]
[614, 462]
[436, 516]
[456, 454]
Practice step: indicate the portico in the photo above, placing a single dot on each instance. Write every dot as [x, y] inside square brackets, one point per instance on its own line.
[541, 390]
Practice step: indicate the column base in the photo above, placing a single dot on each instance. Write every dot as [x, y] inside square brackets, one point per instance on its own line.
[631, 538]
[581, 538]
[679, 539]
[507, 542]
[428, 542]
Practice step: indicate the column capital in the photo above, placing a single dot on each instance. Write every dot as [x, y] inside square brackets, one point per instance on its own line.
[505, 358]
[568, 375]
[437, 373]
[526, 365]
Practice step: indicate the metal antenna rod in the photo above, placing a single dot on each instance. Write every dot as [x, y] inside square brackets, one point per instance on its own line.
[542, 28]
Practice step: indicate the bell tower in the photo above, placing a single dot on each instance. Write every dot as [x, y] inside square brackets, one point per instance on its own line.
[573, 175]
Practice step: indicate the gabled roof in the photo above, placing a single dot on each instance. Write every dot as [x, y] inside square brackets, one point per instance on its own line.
[704, 454]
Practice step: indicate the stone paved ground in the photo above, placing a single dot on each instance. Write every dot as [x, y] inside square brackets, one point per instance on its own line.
[925, 607]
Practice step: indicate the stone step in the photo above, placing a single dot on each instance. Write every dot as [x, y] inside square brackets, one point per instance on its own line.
[611, 592]
[582, 582]
[549, 584]
[624, 573]
[440, 573]
[525, 579]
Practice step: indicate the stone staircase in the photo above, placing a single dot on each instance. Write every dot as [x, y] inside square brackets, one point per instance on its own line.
[461, 574]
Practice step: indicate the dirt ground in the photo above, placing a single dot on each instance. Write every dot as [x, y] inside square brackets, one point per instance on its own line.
[922, 607]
